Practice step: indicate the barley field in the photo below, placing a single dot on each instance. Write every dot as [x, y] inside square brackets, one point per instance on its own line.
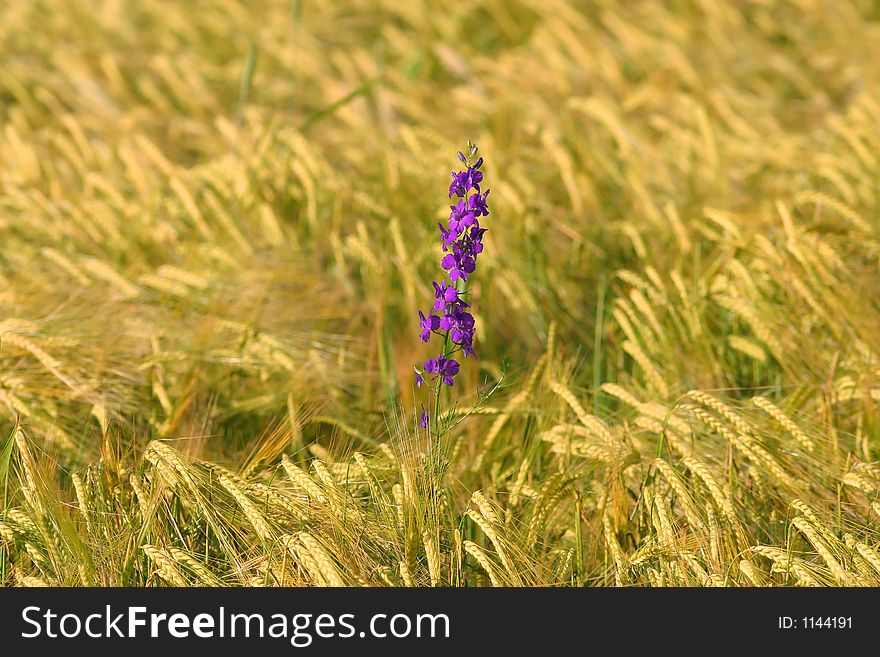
[218, 221]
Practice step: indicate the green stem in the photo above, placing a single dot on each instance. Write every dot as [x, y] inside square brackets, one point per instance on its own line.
[437, 397]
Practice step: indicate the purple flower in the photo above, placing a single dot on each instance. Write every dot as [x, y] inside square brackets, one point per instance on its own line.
[423, 421]
[459, 323]
[458, 336]
[476, 238]
[471, 180]
[464, 181]
[428, 324]
[462, 336]
[449, 235]
[458, 187]
[449, 370]
[461, 261]
[461, 215]
[444, 295]
[442, 367]
[477, 204]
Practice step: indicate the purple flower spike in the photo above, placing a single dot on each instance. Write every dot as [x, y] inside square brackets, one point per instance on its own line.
[461, 240]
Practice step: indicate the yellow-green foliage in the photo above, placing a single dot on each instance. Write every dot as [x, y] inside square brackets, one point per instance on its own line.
[217, 222]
